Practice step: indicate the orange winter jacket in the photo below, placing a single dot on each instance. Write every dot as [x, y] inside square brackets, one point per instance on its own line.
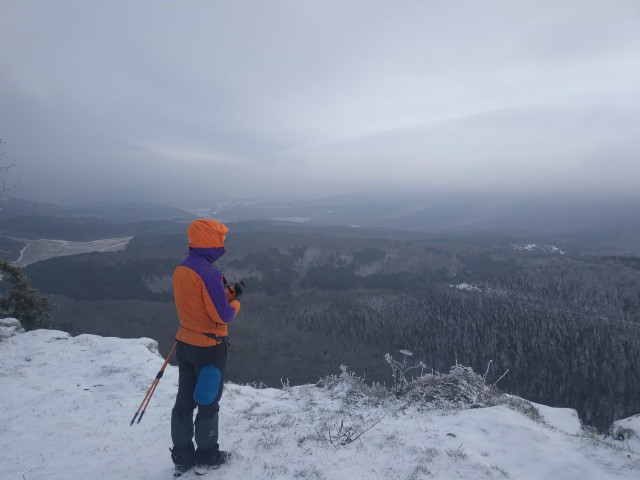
[204, 304]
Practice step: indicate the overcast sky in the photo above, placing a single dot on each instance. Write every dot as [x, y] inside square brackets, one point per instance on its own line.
[189, 99]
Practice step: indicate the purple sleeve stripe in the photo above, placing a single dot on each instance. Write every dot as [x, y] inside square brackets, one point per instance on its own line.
[212, 280]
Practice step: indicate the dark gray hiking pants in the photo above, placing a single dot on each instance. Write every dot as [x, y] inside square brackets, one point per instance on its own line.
[191, 362]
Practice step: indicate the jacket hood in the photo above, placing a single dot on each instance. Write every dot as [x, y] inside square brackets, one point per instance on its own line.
[207, 233]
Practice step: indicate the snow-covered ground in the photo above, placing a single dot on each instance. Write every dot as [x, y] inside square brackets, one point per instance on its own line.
[43, 249]
[67, 403]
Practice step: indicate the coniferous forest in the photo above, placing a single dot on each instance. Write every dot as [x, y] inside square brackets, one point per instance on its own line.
[562, 321]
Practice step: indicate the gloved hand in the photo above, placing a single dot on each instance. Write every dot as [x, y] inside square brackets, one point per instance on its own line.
[238, 288]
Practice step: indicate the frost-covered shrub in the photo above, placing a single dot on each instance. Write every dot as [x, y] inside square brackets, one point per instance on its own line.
[520, 405]
[352, 388]
[400, 369]
[343, 433]
[460, 388]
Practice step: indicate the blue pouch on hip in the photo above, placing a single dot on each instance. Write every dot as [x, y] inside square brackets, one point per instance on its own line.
[208, 385]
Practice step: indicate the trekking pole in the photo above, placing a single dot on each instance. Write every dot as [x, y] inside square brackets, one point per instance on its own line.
[152, 388]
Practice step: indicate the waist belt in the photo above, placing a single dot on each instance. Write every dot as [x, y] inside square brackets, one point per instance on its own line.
[206, 334]
[215, 337]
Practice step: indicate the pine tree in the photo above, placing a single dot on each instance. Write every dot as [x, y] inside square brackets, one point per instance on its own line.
[20, 300]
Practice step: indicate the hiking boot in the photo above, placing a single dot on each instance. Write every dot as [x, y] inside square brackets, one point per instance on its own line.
[210, 459]
[184, 458]
[180, 469]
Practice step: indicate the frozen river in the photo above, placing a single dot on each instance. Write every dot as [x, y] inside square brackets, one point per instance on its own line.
[38, 250]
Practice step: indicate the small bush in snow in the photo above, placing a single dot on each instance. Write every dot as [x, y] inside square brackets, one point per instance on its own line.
[520, 405]
[460, 388]
[399, 370]
[353, 389]
[457, 454]
[343, 433]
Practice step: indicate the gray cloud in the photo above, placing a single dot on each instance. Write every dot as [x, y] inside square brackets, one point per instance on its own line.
[187, 99]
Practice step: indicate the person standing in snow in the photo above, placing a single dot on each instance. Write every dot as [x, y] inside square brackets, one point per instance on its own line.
[205, 305]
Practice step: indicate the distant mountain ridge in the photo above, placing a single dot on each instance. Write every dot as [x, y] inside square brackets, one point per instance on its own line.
[516, 216]
[464, 214]
[113, 211]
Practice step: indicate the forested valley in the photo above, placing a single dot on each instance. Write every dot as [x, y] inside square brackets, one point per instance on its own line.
[563, 321]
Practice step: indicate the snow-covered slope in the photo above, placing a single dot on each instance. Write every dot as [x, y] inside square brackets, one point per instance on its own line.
[67, 402]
